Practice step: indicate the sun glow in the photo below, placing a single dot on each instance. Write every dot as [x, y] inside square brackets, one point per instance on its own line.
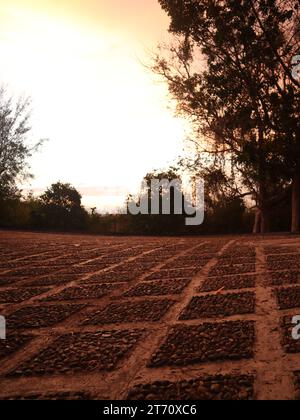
[105, 115]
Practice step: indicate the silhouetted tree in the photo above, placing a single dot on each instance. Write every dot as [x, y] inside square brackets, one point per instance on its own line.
[61, 208]
[14, 148]
[231, 74]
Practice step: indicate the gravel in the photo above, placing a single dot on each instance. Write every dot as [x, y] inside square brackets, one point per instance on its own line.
[145, 311]
[41, 316]
[208, 342]
[158, 288]
[234, 269]
[288, 298]
[176, 273]
[283, 265]
[211, 306]
[14, 342]
[113, 276]
[83, 292]
[72, 353]
[280, 278]
[209, 388]
[20, 294]
[283, 257]
[228, 283]
[279, 250]
[53, 280]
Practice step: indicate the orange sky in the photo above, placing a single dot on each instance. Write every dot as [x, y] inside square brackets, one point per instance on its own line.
[105, 115]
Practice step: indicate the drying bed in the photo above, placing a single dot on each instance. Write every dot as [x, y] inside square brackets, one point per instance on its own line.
[20, 294]
[14, 342]
[209, 388]
[158, 288]
[234, 269]
[176, 273]
[288, 298]
[283, 257]
[245, 281]
[83, 292]
[281, 278]
[283, 265]
[220, 305]
[53, 280]
[207, 342]
[81, 352]
[144, 311]
[279, 250]
[112, 276]
[41, 316]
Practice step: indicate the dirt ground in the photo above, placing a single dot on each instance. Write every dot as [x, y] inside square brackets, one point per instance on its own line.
[149, 318]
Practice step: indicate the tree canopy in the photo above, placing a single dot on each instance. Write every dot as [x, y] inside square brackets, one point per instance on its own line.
[230, 71]
[15, 149]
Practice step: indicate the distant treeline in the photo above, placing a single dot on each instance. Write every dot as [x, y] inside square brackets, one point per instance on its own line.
[60, 209]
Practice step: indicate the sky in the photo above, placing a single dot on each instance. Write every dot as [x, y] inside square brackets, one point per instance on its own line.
[106, 118]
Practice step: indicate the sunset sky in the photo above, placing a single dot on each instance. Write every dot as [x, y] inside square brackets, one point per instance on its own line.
[105, 115]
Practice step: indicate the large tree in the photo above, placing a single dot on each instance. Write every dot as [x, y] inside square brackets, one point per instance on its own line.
[61, 208]
[231, 74]
[15, 149]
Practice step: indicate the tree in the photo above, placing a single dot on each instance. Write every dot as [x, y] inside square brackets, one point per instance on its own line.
[14, 148]
[61, 208]
[230, 75]
[163, 202]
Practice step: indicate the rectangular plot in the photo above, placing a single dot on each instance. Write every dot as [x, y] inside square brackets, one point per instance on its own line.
[203, 389]
[158, 288]
[208, 342]
[283, 265]
[13, 343]
[219, 306]
[34, 271]
[185, 265]
[83, 292]
[81, 352]
[229, 270]
[8, 281]
[288, 298]
[41, 316]
[280, 278]
[136, 265]
[283, 257]
[238, 252]
[112, 276]
[227, 262]
[279, 250]
[20, 294]
[84, 269]
[228, 283]
[176, 273]
[145, 311]
[53, 280]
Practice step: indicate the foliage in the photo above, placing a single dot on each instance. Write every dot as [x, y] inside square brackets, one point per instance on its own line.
[14, 148]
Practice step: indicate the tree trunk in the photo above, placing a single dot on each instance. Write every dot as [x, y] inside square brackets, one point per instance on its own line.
[265, 221]
[296, 203]
[257, 222]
